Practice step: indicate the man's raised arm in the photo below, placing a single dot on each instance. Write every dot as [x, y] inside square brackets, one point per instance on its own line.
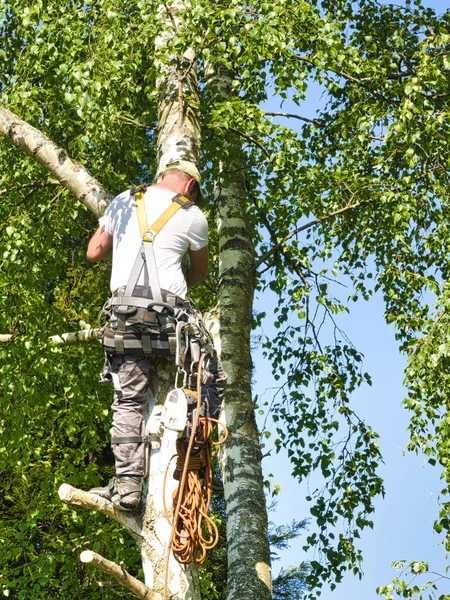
[198, 270]
[99, 245]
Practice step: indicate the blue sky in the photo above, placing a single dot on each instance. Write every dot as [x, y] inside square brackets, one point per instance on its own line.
[403, 521]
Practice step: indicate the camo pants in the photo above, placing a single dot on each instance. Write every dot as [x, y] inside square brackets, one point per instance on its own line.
[130, 377]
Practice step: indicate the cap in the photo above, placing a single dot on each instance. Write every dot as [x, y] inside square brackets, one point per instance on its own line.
[183, 165]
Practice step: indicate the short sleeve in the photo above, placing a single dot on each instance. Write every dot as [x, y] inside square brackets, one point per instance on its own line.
[198, 232]
[108, 220]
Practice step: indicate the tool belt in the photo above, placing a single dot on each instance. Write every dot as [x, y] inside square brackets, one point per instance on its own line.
[138, 325]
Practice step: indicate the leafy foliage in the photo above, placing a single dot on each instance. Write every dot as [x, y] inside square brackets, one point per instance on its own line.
[356, 193]
[412, 588]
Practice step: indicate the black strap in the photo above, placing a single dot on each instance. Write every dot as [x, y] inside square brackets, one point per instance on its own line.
[132, 439]
[181, 200]
[136, 439]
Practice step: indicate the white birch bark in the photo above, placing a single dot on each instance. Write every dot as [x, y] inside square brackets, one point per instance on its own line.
[71, 174]
[178, 95]
[178, 139]
[116, 571]
[71, 337]
[249, 572]
[179, 583]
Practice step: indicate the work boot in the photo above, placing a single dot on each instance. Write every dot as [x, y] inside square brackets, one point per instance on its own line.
[129, 488]
[109, 491]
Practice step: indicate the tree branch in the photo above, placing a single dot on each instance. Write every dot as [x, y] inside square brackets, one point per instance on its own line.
[252, 140]
[82, 499]
[136, 587]
[318, 122]
[343, 74]
[33, 186]
[68, 172]
[317, 221]
[72, 337]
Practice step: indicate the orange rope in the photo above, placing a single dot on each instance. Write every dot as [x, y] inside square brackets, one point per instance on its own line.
[193, 531]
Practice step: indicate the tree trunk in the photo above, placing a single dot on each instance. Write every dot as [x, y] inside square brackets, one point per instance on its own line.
[249, 573]
[163, 574]
[178, 95]
[178, 139]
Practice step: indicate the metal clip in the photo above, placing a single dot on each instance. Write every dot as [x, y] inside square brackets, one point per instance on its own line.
[149, 236]
[177, 377]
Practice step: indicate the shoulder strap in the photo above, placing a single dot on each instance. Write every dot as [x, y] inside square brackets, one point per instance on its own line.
[148, 233]
[145, 260]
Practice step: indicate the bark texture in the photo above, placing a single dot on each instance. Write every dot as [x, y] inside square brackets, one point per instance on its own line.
[178, 94]
[163, 574]
[70, 173]
[249, 573]
[178, 139]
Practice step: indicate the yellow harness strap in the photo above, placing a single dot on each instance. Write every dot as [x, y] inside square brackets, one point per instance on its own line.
[148, 233]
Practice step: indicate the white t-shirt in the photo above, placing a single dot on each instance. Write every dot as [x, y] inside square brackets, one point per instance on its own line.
[187, 229]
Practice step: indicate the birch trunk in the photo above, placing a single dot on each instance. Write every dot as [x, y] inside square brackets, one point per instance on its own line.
[163, 574]
[178, 139]
[249, 573]
[178, 94]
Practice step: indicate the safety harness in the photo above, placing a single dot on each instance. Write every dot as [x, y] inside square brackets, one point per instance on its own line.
[142, 319]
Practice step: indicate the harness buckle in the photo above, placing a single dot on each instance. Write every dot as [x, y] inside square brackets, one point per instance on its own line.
[149, 236]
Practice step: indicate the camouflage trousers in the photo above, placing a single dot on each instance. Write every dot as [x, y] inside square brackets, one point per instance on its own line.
[131, 377]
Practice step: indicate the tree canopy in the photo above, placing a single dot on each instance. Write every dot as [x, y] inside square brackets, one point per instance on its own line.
[358, 193]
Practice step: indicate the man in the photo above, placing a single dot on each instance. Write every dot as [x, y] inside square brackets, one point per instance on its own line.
[185, 232]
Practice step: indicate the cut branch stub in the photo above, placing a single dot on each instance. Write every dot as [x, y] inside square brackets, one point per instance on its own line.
[139, 589]
[79, 498]
[71, 337]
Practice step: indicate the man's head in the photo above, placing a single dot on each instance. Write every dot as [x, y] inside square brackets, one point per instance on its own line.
[182, 177]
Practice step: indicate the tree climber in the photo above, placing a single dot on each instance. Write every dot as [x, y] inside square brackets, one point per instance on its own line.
[136, 333]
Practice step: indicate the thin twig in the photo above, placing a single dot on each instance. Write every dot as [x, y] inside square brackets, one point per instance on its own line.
[34, 185]
[312, 223]
[319, 122]
[130, 121]
[171, 17]
[251, 140]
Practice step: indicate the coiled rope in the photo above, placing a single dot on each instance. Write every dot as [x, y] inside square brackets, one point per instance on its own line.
[193, 530]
